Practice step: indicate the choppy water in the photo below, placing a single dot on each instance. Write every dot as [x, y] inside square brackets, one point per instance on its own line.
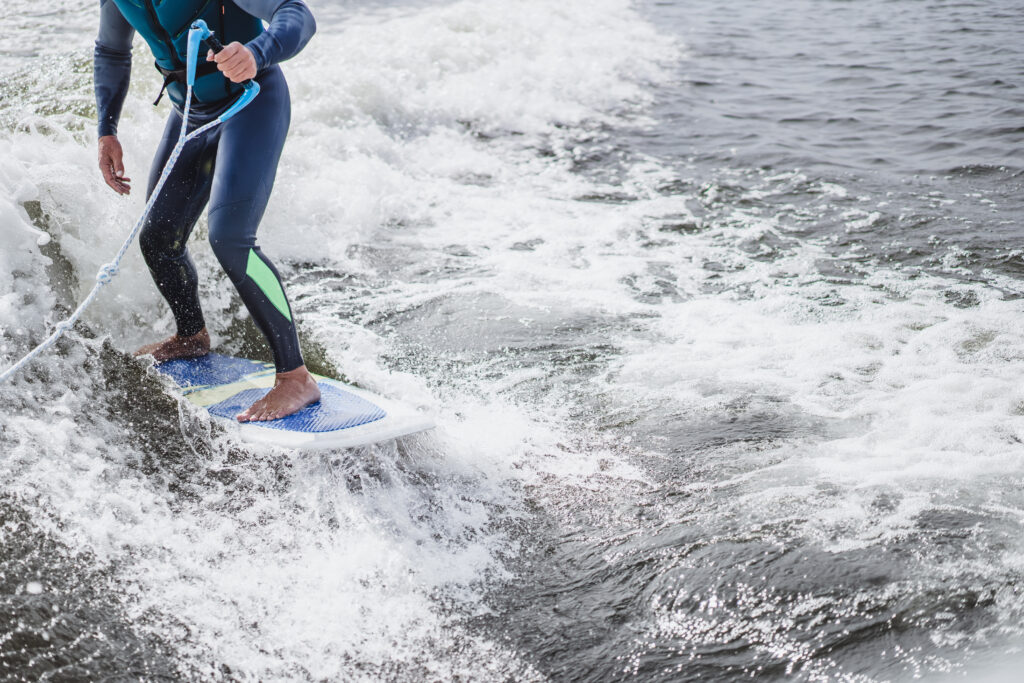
[717, 307]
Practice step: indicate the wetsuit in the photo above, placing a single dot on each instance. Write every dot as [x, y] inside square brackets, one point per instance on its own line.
[231, 167]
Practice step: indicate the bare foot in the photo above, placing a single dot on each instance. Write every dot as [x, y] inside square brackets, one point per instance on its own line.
[293, 391]
[175, 347]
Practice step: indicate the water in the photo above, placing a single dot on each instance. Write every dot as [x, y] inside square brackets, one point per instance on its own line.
[717, 310]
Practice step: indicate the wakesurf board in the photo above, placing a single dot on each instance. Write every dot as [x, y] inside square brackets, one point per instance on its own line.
[344, 417]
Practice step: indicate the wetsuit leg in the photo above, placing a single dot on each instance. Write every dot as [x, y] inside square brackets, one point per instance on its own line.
[247, 155]
[164, 236]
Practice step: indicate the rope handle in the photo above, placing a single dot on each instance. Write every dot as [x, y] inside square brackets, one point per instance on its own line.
[201, 33]
[213, 43]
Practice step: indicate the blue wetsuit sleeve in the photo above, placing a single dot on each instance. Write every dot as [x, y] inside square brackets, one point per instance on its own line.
[291, 25]
[112, 66]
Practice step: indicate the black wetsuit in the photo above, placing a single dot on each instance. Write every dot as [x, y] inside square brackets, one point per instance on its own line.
[231, 168]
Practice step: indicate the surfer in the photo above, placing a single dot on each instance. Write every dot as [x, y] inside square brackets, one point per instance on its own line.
[231, 168]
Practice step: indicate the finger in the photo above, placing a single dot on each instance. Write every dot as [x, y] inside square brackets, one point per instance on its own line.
[232, 61]
[107, 170]
[225, 69]
[246, 71]
[118, 185]
[241, 55]
[109, 178]
[226, 54]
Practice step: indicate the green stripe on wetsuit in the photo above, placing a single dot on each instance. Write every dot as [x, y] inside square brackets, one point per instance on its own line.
[260, 273]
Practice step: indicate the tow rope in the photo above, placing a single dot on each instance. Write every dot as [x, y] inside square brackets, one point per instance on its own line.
[197, 34]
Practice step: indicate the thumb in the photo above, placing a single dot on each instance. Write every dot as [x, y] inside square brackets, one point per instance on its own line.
[116, 161]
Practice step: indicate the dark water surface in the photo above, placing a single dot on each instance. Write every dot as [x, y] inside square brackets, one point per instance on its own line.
[717, 308]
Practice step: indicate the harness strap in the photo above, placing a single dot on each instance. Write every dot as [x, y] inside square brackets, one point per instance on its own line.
[181, 76]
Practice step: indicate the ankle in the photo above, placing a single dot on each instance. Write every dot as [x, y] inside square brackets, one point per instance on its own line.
[202, 336]
[299, 374]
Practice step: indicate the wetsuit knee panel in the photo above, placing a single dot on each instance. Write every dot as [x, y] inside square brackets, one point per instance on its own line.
[159, 240]
[232, 255]
[233, 234]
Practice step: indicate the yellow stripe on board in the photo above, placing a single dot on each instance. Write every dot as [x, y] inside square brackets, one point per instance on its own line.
[204, 397]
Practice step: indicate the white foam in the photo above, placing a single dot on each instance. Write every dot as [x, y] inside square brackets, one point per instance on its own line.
[389, 111]
[922, 396]
[22, 281]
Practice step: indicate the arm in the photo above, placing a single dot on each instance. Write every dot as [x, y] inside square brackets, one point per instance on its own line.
[112, 66]
[112, 69]
[291, 27]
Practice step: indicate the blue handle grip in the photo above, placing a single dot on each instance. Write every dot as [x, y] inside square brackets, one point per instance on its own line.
[197, 34]
[252, 89]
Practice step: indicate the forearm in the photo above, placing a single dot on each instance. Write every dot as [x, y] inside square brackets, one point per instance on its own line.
[112, 71]
[112, 66]
[291, 25]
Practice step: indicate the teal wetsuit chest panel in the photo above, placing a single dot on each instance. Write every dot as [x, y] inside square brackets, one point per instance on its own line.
[164, 25]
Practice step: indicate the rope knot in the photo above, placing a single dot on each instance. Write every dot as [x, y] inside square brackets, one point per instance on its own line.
[107, 273]
[63, 326]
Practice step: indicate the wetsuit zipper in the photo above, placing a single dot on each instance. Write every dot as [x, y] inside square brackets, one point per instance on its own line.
[198, 13]
[162, 33]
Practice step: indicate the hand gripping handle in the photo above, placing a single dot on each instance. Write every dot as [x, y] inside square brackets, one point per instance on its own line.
[199, 33]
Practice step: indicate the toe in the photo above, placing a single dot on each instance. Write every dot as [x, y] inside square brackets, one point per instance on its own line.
[251, 413]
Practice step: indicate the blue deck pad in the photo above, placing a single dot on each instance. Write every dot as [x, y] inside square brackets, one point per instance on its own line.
[337, 409]
[212, 370]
